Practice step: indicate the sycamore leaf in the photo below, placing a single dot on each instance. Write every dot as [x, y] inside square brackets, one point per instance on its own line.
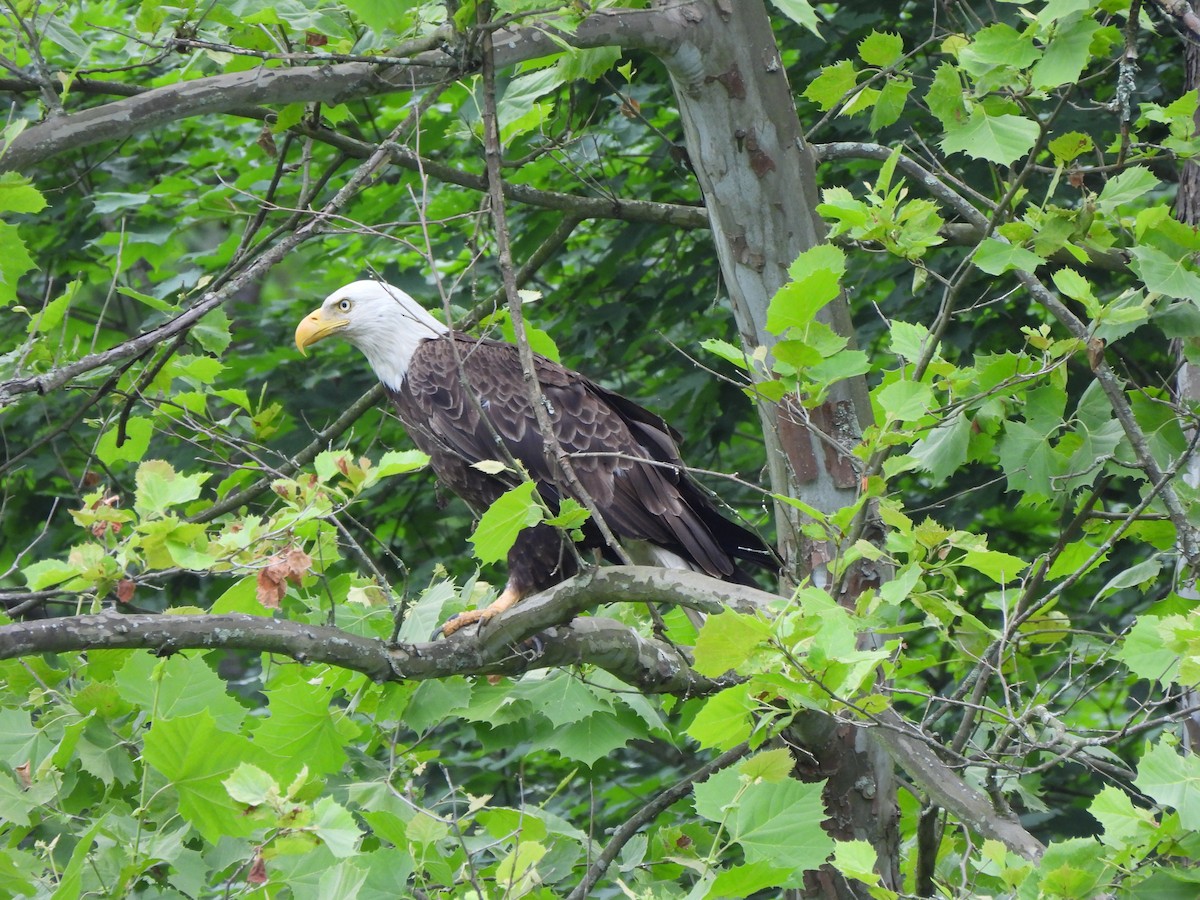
[197, 757]
[724, 719]
[1001, 139]
[880, 48]
[944, 448]
[1066, 55]
[816, 279]
[834, 83]
[1173, 780]
[17, 194]
[159, 487]
[591, 738]
[1068, 147]
[15, 261]
[498, 528]
[799, 11]
[305, 728]
[726, 640]
[1000, 567]
[1131, 184]
[490, 466]
[996, 257]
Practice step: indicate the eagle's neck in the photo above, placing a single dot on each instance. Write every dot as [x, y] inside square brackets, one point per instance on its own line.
[390, 347]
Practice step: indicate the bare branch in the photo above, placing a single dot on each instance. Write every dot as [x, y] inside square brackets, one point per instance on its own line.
[948, 790]
[647, 814]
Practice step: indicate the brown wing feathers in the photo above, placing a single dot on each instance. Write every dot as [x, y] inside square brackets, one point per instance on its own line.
[606, 435]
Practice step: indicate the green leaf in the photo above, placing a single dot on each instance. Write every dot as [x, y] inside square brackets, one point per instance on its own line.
[1066, 55]
[998, 46]
[880, 48]
[212, 332]
[909, 340]
[15, 261]
[816, 279]
[179, 686]
[1124, 824]
[498, 528]
[251, 785]
[769, 765]
[905, 401]
[305, 728]
[1173, 780]
[1028, 460]
[18, 195]
[138, 431]
[724, 720]
[1165, 275]
[945, 97]
[197, 757]
[834, 83]
[1078, 288]
[160, 487]
[726, 351]
[591, 738]
[889, 106]
[781, 824]
[750, 878]
[1133, 183]
[47, 573]
[799, 11]
[1001, 139]
[1000, 567]
[996, 257]
[726, 640]
[336, 828]
[148, 299]
[944, 448]
[778, 823]
[561, 697]
[857, 860]
[1070, 146]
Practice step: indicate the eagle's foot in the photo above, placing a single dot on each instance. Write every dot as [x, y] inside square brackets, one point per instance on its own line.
[471, 616]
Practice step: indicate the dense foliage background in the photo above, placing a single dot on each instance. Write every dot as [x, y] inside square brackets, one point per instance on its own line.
[999, 183]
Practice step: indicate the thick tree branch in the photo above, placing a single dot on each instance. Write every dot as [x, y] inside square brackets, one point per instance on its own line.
[527, 637]
[501, 647]
[338, 83]
[224, 93]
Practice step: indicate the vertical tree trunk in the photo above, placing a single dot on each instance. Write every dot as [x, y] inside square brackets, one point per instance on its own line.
[759, 181]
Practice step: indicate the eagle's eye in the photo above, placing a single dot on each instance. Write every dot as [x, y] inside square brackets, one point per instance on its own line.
[344, 305]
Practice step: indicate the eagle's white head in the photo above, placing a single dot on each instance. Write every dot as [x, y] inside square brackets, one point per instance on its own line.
[382, 321]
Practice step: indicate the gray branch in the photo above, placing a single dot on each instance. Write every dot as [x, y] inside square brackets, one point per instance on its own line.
[333, 84]
[504, 646]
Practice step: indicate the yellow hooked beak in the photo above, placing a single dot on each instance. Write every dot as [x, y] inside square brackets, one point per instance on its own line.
[316, 326]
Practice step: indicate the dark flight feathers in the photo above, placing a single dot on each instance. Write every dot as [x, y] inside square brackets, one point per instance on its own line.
[637, 498]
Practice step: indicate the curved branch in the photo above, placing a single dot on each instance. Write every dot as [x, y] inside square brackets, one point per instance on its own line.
[501, 647]
[224, 93]
[338, 83]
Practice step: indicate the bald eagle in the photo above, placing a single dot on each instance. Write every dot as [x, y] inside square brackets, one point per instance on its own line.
[464, 400]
